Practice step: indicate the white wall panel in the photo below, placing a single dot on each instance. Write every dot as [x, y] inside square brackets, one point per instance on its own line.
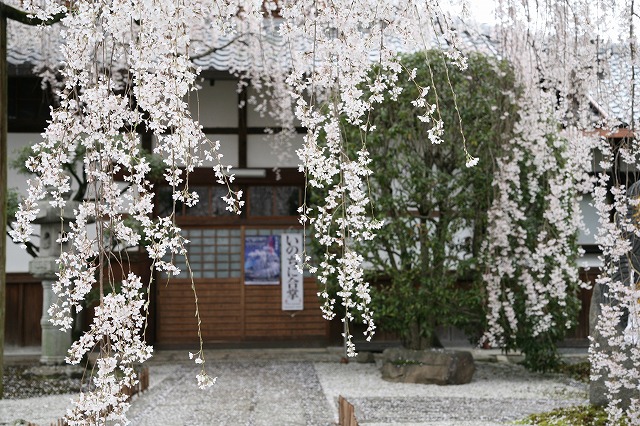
[217, 105]
[263, 152]
[590, 217]
[18, 259]
[260, 118]
[228, 149]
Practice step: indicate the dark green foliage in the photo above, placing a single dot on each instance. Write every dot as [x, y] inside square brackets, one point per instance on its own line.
[13, 202]
[581, 415]
[73, 168]
[423, 260]
[578, 371]
[540, 352]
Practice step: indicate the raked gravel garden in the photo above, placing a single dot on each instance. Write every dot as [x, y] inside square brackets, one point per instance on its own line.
[301, 388]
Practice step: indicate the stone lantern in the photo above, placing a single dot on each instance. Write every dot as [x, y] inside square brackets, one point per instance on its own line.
[52, 220]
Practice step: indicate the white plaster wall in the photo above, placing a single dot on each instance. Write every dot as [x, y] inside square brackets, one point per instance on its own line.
[228, 149]
[18, 259]
[217, 105]
[590, 218]
[263, 152]
[255, 118]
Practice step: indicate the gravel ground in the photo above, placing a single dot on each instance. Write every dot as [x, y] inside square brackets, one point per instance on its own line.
[302, 389]
[499, 393]
[251, 393]
[25, 381]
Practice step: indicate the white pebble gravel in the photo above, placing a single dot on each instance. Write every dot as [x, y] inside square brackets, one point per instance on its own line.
[499, 393]
[302, 389]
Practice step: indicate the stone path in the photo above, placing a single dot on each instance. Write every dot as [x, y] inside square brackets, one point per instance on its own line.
[246, 393]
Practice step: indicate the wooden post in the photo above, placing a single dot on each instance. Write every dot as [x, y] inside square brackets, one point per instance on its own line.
[346, 413]
[3, 187]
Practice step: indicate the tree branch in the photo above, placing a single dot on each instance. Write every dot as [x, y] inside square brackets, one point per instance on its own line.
[24, 17]
[30, 248]
[215, 49]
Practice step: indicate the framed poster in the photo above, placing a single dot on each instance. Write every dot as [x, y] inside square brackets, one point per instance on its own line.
[292, 282]
[262, 260]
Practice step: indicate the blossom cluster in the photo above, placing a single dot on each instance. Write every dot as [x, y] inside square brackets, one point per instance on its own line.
[532, 269]
[118, 321]
[614, 352]
[579, 58]
[126, 68]
[531, 255]
[130, 66]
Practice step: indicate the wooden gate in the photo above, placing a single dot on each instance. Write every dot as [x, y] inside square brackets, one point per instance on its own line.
[230, 310]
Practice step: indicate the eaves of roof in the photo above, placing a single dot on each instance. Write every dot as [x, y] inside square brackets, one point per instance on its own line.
[612, 99]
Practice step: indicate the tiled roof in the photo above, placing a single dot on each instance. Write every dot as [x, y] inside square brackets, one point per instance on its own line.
[616, 91]
[27, 46]
[612, 97]
[231, 54]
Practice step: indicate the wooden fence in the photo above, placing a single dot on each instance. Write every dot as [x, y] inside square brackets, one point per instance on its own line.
[346, 413]
[59, 422]
[141, 386]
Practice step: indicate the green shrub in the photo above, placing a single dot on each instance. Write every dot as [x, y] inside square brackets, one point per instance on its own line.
[580, 415]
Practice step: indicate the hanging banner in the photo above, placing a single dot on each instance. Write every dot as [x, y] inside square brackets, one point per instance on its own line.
[292, 284]
[262, 260]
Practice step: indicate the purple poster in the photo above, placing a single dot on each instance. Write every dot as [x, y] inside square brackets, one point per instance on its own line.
[262, 260]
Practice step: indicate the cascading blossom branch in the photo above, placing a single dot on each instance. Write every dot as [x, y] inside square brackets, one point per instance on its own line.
[325, 82]
[531, 251]
[128, 66]
[532, 266]
[585, 65]
[119, 319]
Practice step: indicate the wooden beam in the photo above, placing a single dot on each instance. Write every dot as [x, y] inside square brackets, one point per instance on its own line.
[242, 127]
[9, 12]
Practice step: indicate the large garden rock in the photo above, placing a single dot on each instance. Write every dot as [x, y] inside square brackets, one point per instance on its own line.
[431, 366]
